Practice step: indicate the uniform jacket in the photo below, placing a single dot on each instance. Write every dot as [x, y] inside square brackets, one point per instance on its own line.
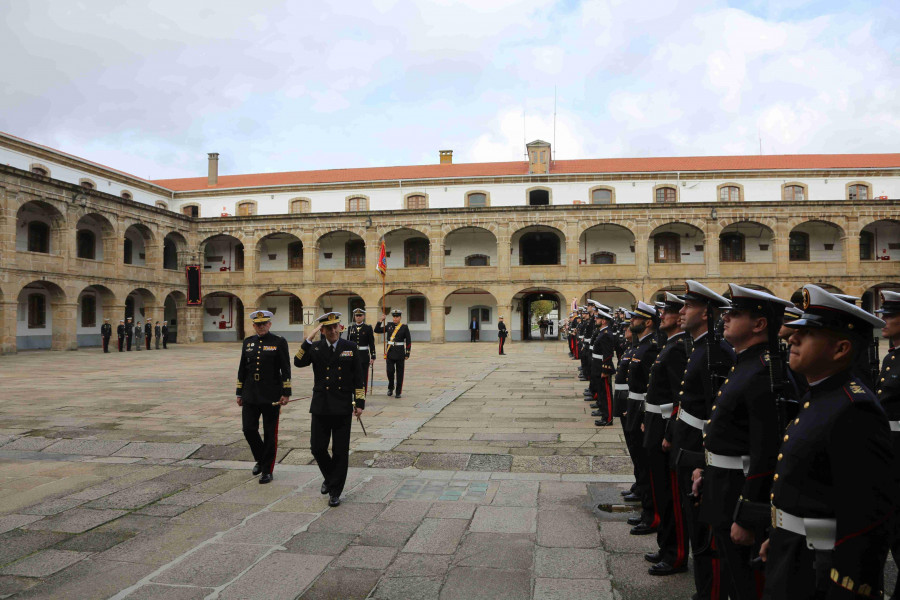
[106, 330]
[148, 330]
[339, 376]
[888, 394]
[665, 375]
[396, 351]
[835, 462]
[264, 374]
[362, 336]
[744, 422]
[602, 344]
[156, 331]
[138, 332]
[474, 325]
[638, 375]
[129, 330]
[120, 331]
[620, 399]
[501, 330]
[165, 331]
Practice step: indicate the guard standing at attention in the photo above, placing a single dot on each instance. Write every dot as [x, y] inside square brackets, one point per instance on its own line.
[165, 334]
[120, 331]
[338, 396]
[399, 343]
[129, 333]
[361, 334]
[138, 336]
[105, 334]
[888, 393]
[263, 387]
[501, 334]
[148, 333]
[602, 348]
[834, 485]
[157, 334]
[620, 402]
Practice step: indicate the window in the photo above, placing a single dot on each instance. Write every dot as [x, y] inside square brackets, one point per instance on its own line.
[415, 252]
[191, 211]
[858, 192]
[88, 184]
[729, 193]
[295, 256]
[866, 245]
[300, 205]
[88, 311]
[127, 195]
[37, 311]
[416, 202]
[798, 246]
[416, 309]
[246, 209]
[603, 258]
[355, 254]
[476, 200]
[665, 194]
[38, 237]
[667, 248]
[478, 260]
[357, 204]
[539, 197]
[794, 193]
[39, 170]
[296, 311]
[239, 257]
[129, 249]
[86, 244]
[162, 205]
[170, 255]
[731, 247]
[601, 196]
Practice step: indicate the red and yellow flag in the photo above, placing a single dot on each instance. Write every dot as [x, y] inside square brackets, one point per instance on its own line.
[381, 267]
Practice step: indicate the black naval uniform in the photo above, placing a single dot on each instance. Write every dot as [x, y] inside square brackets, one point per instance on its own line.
[157, 333]
[399, 346]
[264, 376]
[695, 404]
[587, 332]
[120, 331]
[339, 377]
[105, 334]
[501, 334]
[364, 338]
[888, 394]
[835, 463]
[129, 335]
[665, 374]
[148, 333]
[165, 335]
[602, 348]
[642, 359]
[741, 442]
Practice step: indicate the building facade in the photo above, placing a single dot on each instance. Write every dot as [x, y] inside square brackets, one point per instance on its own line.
[80, 242]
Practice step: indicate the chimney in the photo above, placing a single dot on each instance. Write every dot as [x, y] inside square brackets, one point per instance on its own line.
[213, 177]
[538, 157]
[446, 157]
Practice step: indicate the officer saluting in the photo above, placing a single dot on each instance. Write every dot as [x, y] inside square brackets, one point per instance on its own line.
[338, 396]
[361, 334]
[834, 488]
[399, 343]
[105, 334]
[888, 392]
[263, 386]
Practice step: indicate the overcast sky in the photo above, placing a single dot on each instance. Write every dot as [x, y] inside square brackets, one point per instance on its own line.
[150, 87]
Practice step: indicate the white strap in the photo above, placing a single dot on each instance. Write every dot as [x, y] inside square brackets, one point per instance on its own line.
[636, 396]
[895, 425]
[396, 343]
[363, 347]
[728, 462]
[652, 408]
[620, 387]
[666, 410]
[820, 533]
[690, 419]
[597, 356]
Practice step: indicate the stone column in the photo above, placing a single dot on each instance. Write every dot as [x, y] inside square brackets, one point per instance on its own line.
[65, 326]
[437, 256]
[641, 249]
[711, 248]
[503, 252]
[850, 243]
[8, 311]
[310, 258]
[373, 247]
[781, 247]
[571, 233]
[437, 324]
[190, 325]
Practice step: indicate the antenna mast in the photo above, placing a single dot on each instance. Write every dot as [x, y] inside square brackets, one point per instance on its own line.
[553, 150]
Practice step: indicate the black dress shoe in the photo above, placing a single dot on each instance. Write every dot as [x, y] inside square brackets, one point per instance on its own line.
[390, 392]
[334, 500]
[666, 569]
[398, 395]
[600, 423]
[256, 469]
[632, 497]
[594, 405]
[265, 478]
[626, 492]
[642, 529]
[596, 413]
[634, 521]
[582, 378]
[324, 489]
[653, 557]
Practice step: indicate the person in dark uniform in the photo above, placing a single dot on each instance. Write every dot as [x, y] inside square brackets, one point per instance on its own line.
[742, 434]
[120, 332]
[263, 387]
[474, 327]
[165, 334]
[665, 374]
[157, 334]
[834, 485]
[887, 389]
[138, 337]
[587, 332]
[129, 334]
[501, 334]
[105, 334]
[148, 333]
[360, 333]
[602, 347]
[707, 366]
[338, 396]
[399, 343]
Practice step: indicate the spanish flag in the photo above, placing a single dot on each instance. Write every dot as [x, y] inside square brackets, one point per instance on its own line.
[381, 267]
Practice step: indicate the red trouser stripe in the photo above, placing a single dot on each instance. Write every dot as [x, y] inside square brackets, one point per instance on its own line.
[609, 414]
[656, 518]
[715, 593]
[759, 578]
[680, 557]
[275, 453]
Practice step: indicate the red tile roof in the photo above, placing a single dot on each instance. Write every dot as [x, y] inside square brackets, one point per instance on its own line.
[599, 166]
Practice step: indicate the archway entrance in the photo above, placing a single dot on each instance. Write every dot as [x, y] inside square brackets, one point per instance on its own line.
[540, 315]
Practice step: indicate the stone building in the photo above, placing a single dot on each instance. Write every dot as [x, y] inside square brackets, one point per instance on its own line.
[81, 241]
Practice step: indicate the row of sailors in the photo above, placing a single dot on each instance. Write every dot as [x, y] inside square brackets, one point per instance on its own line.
[768, 447]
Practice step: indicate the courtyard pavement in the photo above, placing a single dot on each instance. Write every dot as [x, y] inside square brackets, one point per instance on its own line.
[127, 476]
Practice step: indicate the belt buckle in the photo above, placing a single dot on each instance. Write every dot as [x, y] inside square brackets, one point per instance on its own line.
[774, 516]
[706, 456]
[256, 377]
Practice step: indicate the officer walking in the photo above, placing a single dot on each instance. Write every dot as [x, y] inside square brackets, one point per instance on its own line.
[399, 343]
[165, 334]
[120, 331]
[129, 333]
[501, 334]
[148, 333]
[105, 334]
[888, 393]
[338, 396]
[157, 334]
[263, 387]
[834, 484]
[138, 336]
[361, 334]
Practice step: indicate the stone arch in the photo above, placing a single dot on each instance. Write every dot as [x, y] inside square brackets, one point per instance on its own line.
[139, 249]
[40, 169]
[341, 249]
[222, 252]
[87, 183]
[279, 251]
[416, 308]
[191, 209]
[871, 300]
[95, 303]
[617, 240]
[522, 324]
[45, 320]
[602, 194]
[343, 301]
[611, 296]
[103, 237]
[797, 296]
[880, 240]
[223, 318]
[40, 227]
[746, 241]
[407, 247]
[287, 313]
[542, 245]
[174, 314]
[161, 204]
[463, 304]
[676, 242]
[660, 294]
[462, 242]
[175, 251]
[823, 241]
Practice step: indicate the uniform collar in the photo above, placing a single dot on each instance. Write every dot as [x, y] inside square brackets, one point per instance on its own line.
[829, 384]
[753, 351]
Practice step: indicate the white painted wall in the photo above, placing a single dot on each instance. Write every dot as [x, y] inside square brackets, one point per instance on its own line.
[886, 233]
[221, 248]
[755, 237]
[690, 239]
[469, 241]
[138, 248]
[607, 238]
[91, 225]
[514, 259]
[228, 309]
[281, 321]
[38, 337]
[26, 215]
[279, 247]
[456, 324]
[819, 235]
[393, 245]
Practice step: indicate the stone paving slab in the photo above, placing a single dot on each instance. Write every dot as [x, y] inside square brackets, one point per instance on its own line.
[44, 563]
[89, 447]
[76, 520]
[279, 576]
[211, 566]
[158, 450]
[504, 519]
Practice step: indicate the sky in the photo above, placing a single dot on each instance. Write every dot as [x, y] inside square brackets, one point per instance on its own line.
[151, 87]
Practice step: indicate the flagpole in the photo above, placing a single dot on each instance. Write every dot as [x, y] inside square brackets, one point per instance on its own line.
[383, 309]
